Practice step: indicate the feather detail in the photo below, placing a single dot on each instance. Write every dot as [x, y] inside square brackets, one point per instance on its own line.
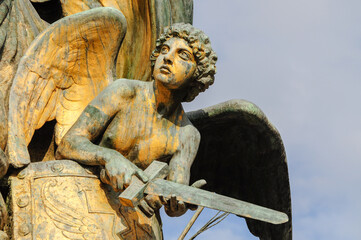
[65, 67]
[241, 155]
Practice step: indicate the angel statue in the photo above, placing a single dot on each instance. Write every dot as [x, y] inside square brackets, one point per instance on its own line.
[22, 21]
[114, 130]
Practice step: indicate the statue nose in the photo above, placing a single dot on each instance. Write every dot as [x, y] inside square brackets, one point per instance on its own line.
[168, 58]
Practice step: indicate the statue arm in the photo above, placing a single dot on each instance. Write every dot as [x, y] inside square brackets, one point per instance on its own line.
[179, 168]
[181, 162]
[78, 144]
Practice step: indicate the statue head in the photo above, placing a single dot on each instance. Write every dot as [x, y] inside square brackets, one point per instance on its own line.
[203, 53]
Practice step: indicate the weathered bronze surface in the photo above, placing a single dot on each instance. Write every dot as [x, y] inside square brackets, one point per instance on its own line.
[63, 200]
[157, 186]
[145, 121]
[59, 97]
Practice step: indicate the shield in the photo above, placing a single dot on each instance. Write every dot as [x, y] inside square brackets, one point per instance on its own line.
[64, 200]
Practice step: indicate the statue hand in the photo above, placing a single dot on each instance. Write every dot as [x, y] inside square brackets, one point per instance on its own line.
[175, 208]
[149, 204]
[119, 172]
[172, 206]
[197, 184]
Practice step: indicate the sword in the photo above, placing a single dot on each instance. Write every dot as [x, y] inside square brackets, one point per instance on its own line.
[158, 186]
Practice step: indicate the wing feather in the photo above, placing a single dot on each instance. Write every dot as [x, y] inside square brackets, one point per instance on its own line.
[65, 67]
[241, 155]
[48, 113]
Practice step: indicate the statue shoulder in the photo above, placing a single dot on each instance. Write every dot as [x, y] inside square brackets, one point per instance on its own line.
[124, 88]
[114, 96]
[128, 88]
[190, 133]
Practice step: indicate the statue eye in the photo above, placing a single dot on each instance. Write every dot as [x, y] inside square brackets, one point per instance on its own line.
[185, 55]
[164, 49]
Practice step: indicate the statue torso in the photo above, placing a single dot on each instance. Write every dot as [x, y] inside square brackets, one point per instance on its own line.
[145, 137]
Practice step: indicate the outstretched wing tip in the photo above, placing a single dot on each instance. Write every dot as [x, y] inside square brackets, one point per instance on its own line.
[242, 155]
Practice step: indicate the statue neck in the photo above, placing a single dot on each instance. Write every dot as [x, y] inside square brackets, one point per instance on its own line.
[167, 101]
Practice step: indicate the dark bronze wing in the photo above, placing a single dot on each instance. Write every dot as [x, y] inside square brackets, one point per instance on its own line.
[241, 155]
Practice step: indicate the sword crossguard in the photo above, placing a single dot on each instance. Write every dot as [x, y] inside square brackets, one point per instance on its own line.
[131, 196]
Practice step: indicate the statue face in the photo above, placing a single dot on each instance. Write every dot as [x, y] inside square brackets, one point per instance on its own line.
[175, 64]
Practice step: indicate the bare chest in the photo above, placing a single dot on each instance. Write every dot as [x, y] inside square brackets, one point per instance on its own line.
[142, 138]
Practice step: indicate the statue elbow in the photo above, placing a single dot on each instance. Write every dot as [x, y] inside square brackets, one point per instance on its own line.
[64, 148]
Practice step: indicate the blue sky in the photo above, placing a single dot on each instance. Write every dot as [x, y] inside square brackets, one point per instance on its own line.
[299, 61]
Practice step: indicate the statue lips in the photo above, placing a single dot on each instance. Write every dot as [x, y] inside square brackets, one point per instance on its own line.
[165, 69]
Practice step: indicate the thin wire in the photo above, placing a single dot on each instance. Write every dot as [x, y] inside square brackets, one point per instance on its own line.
[224, 216]
[211, 223]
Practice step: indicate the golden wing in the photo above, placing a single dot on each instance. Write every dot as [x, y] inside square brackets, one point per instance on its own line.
[4, 164]
[19, 25]
[64, 68]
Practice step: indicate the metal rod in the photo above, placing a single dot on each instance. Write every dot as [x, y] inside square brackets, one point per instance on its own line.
[190, 223]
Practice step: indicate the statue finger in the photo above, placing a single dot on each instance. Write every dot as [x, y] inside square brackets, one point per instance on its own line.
[157, 202]
[109, 176]
[141, 175]
[127, 180]
[113, 182]
[120, 182]
[199, 184]
[151, 200]
[181, 207]
[145, 208]
[173, 203]
[163, 200]
[192, 206]
[104, 177]
[154, 201]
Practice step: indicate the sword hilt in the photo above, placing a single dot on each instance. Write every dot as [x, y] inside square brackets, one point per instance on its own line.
[131, 196]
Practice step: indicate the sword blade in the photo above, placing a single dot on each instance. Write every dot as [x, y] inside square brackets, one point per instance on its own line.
[212, 200]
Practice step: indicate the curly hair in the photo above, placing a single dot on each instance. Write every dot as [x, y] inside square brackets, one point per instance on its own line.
[203, 53]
